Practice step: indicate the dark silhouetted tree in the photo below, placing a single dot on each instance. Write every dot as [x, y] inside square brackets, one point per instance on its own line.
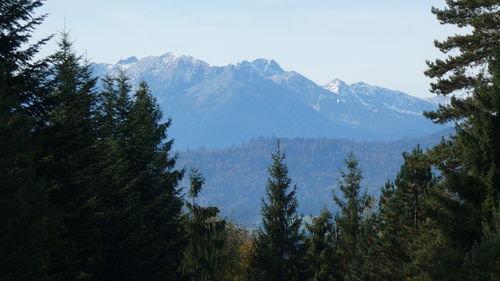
[279, 242]
[352, 204]
[22, 197]
[203, 256]
[321, 242]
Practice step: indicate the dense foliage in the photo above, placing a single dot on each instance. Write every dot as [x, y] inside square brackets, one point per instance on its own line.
[22, 197]
[90, 188]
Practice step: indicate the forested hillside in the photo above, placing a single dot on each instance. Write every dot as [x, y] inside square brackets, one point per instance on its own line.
[90, 187]
[236, 176]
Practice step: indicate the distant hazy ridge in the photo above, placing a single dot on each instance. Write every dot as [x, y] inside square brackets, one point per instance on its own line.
[236, 176]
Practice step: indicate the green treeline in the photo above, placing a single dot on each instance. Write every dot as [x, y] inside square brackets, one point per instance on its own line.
[89, 184]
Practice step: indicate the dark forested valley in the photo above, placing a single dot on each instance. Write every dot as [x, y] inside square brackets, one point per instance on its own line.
[91, 189]
[236, 176]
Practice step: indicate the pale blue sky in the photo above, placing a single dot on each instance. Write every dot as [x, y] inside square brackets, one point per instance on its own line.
[382, 42]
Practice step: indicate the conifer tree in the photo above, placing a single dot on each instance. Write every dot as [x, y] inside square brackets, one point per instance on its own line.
[413, 183]
[205, 234]
[107, 108]
[321, 243]
[479, 136]
[114, 108]
[476, 141]
[483, 261]
[123, 107]
[474, 49]
[279, 242]
[476, 180]
[352, 205]
[115, 105]
[68, 162]
[153, 251]
[391, 243]
[467, 192]
[402, 212]
[138, 209]
[22, 195]
[116, 206]
[364, 266]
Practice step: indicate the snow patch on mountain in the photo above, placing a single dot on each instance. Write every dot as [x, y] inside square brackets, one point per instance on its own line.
[336, 86]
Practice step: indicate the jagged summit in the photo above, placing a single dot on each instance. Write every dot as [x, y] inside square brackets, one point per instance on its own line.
[128, 61]
[268, 66]
[169, 55]
[166, 58]
[336, 86]
[363, 85]
[263, 67]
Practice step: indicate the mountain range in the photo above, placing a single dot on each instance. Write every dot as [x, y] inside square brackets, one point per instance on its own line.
[226, 120]
[219, 106]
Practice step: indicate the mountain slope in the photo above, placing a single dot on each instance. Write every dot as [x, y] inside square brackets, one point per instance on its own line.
[217, 106]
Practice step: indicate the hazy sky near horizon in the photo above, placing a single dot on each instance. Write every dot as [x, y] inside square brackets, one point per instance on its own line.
[383, 42]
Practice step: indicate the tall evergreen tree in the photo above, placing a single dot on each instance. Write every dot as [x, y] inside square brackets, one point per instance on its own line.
[205, 234]
[279, 242]
[402, 212]
[68, 162]
[137, 205]
[115, 205]
[478, 140]
[148, 242]
[479, 136]
[467, 194]
[364, 266]
[391, 244]
[352, 205]
[468, 191]
[321, 242]
[22, 196]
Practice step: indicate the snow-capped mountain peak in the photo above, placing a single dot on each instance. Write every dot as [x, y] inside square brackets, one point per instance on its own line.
[336, 86]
